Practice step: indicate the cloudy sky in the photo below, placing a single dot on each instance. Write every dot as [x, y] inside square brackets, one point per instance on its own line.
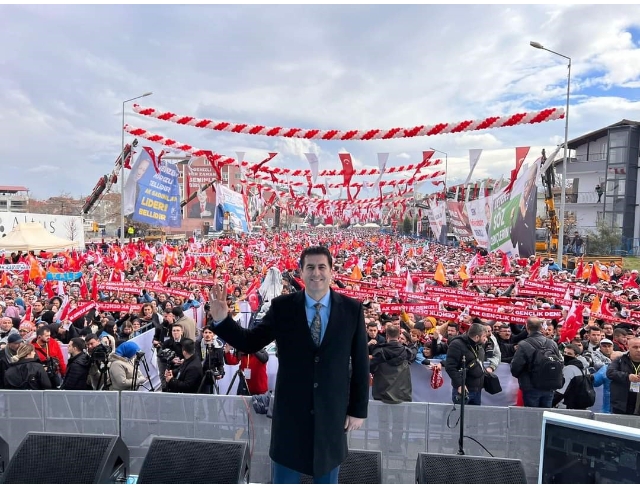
[65, 70]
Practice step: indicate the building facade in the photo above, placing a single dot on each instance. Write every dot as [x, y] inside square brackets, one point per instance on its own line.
[14, 198]
[606, 158]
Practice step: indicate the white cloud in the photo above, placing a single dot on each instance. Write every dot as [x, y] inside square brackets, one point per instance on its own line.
[338, 71]
[43, 168]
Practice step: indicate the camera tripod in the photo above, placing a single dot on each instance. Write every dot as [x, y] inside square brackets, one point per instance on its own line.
[243, 387]
[209, 378]
[136, 366]
[103, 368]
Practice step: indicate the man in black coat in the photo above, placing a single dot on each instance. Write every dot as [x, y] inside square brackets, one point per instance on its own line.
[188, 376]
[624, 373]
[78, 367]
[319, 333]
[391, 370]
[471, 347]
[523, 369]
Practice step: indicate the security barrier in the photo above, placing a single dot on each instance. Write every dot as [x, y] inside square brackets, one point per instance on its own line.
[400, 431]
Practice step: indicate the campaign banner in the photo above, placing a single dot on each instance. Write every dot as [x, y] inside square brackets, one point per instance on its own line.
[231, 206]
[355, 294]
[110, 307]
[14, 267]
[493, 281]
[439, 214]
[513, 217]
[198, 173]
[83, 308]
[479, 212]
[158, 287]
[124, 287]
[63, 276]
[157, 195]
[459, 219]
[67, 227]
[192, 280]
[556, 288]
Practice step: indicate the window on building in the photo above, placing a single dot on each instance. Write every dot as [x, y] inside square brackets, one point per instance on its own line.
[225, 177]
[619, 138]
[618, 155]
[236, 175]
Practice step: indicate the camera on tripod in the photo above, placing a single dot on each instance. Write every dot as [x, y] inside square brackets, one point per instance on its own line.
[100, 354]
[166, 356]
[213, 363]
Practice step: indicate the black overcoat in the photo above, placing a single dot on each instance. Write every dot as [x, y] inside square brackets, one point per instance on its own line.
[314, 389]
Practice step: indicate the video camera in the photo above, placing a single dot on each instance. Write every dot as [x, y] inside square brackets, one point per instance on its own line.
[166, 356]
[213, 362]
[100, 354]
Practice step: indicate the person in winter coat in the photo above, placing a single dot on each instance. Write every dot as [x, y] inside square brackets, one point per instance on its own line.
[624, 374]
[471, 347]
[391, 371]
[48, 349]
[573, 367]
[188, 376]
[188, 324]
[7, 354]
[121, 367]
[600, 379]
[78, 367]
[26, 372]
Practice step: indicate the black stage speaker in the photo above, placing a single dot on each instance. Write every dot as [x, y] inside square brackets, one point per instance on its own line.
[63, 458]
[195, 461]
[439, 468]
[4, 455]
[360, 467]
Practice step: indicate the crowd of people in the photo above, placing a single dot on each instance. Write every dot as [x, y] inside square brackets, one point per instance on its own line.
[423, 302]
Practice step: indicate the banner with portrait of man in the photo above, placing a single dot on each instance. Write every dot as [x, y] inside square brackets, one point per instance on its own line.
[230, 208]
[156, 195]
[513, 216]
[198, 173]
[458, 219]
[479, 212]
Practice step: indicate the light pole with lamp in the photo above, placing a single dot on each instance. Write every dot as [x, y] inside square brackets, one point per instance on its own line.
[443, 233]
[537, 45]
[122, 167]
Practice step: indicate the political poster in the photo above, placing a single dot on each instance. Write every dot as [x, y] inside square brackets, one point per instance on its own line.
[230, 208]
[198, 173]
[157, 195]
[479, 212]
[458, 219]
[439, 213]
[513, 217]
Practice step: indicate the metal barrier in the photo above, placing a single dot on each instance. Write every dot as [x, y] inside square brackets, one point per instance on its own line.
[400, 431]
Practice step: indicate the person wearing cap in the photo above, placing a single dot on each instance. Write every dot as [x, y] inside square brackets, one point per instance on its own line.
[7, 353]
[600, 379]
[602, 356]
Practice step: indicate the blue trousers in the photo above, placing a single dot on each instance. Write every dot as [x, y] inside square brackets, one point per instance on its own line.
[534, 398]
[283, 475]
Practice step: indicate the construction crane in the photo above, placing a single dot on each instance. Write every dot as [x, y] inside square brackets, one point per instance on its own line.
[547, 228]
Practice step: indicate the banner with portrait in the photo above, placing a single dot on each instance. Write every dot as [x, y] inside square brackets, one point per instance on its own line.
[198, 173]
[479, 212]
[513, 216]
[458, 219]
[230, 210]
[157, 195]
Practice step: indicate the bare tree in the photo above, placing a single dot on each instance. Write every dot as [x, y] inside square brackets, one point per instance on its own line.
[72, 229]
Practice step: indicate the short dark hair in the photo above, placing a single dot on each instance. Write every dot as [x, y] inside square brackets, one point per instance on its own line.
[90, 336]
[78, 343]
[619, 332]
[534, 324]
[476, 330]
[316, 250]
[41, 329]
[393, 332]
[573, 347]
[372, 324]
[189, 346]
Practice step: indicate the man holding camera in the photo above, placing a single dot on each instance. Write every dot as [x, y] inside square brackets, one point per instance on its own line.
[99, 357]
[188, 376]
[211, 353]
[170, 353]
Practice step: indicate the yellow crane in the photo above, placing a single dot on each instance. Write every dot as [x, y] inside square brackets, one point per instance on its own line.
[547, 228]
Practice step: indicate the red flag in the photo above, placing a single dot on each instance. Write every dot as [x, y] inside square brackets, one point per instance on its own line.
[94, 287]
[84, 292]
[604, 307]
[28, 315]
[152, 156]
[521, 155]
[535, 267]
[631, 282]
[593, 275]
[257, 167]
[580, 268]
[347, 171]
[506, 263]
[573, 323]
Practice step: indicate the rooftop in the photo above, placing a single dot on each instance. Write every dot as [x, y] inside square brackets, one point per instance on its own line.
[12, 189]
[596, 134]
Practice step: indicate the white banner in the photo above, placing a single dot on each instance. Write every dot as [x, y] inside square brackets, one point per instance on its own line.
[474, 157]
[67, 227]
[479, 212]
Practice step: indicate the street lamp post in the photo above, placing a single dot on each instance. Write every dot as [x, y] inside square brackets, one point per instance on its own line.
[122, 166]
[443, 233]
[537, 45]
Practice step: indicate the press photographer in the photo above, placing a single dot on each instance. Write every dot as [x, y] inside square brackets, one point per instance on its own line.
[252, 372]
[188, 375]
[170, 353]
[78, 366]
[99, 353]
[211, 352]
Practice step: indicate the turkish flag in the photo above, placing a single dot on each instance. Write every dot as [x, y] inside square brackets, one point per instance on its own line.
[347, 171]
